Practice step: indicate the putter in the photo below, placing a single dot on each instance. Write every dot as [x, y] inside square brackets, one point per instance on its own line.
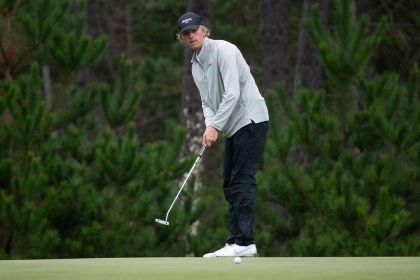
[166, 222]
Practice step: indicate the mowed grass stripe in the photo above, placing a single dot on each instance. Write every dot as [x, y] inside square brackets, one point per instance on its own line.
[380, 268]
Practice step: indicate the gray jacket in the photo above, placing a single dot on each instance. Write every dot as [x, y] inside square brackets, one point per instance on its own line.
[230, 98]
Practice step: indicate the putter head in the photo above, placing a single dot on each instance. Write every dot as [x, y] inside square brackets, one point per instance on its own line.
[162, 222]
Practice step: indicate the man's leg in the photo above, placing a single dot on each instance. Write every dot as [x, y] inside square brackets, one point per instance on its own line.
[229, 249]
[243, 155]
[230, 196]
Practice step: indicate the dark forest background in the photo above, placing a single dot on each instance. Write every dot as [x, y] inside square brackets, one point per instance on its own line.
[100, 120]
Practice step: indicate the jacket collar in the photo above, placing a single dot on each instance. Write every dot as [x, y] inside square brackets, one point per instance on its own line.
[203, 55]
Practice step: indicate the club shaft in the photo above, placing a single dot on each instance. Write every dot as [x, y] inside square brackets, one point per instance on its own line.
[200, 154]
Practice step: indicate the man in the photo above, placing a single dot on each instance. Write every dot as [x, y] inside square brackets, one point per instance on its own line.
[233, 105]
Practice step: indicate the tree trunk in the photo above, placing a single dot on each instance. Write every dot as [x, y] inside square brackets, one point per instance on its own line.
[275, 43]
[118, 26]
[92, 28]
[308, 65]
[191, 114]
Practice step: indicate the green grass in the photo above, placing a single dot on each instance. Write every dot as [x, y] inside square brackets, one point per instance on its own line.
[383, 268]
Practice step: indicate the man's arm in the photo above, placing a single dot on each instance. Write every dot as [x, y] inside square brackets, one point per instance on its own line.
[207, 112]
[227, 62]
[210, 135]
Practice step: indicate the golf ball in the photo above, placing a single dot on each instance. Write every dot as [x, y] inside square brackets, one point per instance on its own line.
[237, 260]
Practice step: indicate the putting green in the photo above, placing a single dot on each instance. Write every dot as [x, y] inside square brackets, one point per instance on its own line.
[383, 268]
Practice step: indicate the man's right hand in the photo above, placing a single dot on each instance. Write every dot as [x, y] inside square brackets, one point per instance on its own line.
[209, 136]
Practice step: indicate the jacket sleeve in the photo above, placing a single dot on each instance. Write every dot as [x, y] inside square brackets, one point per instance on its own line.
[207, 110]
[227, 63]
[208, 113]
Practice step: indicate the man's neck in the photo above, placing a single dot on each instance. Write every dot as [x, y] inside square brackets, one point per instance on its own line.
[197, 51]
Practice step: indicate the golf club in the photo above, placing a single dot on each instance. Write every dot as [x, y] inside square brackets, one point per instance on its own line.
[166, 222]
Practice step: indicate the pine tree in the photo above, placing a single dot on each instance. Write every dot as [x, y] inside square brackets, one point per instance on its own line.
[119, 108]
[42, 169]
[354, 194]
[75, 182]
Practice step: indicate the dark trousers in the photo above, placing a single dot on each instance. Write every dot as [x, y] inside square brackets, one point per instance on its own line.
[243, 154]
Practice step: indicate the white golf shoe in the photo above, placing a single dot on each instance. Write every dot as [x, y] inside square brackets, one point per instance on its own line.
[246, 251]
[227, 251]
[233, 250]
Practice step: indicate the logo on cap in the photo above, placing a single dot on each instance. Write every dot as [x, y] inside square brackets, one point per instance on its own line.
[187, 20]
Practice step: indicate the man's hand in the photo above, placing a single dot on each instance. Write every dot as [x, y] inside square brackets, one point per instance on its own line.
[209, 136]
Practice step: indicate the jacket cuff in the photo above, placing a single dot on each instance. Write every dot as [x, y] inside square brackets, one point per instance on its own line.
[213, 125]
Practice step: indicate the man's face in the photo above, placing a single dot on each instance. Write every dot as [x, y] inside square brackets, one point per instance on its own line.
[193, 39]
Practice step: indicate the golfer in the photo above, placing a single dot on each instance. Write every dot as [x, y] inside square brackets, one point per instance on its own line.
[233, 105]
